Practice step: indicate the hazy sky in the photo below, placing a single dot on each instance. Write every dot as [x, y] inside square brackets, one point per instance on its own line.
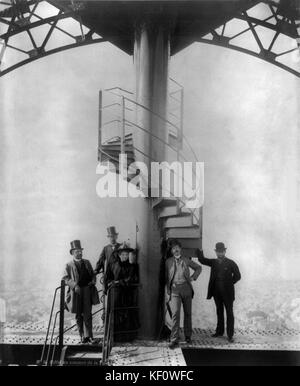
[241, 115]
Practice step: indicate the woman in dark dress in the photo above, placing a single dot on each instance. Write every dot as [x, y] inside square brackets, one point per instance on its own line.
[124, 275]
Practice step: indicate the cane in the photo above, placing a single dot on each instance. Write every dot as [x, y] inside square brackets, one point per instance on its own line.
[168, 309]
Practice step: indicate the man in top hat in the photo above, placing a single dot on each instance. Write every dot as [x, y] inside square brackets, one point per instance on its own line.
[105, 256]
[180, 289]
[108, 250]
[224, 274]
[82, 293]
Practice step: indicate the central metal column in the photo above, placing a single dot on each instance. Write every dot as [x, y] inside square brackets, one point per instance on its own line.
[151, 57]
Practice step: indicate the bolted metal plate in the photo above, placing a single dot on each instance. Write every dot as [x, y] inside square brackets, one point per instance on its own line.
[35, 333]
[280, 339]
[138, 355]
[244, 339]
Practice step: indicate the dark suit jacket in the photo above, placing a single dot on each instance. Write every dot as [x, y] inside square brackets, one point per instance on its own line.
[105, 255]
[232, 275]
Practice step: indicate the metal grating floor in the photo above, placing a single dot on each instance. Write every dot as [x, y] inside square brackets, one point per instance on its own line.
[40, 338]
[35, 334]
[285, 340]
[250, 339]
[137, 355]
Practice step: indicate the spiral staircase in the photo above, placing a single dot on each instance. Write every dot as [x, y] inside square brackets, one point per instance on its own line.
[174, 219]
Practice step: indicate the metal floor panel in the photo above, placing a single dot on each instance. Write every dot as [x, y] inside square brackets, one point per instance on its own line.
[86, 355]
[39, 338]
[283, 340]
[137, 355]
[245, 339]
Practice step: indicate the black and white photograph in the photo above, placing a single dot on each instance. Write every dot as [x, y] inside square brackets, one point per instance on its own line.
[150, 185]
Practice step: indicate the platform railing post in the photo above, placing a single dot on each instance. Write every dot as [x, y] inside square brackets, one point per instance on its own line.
[122, 125]
[180, 137]
[100, 126]
[61, 315]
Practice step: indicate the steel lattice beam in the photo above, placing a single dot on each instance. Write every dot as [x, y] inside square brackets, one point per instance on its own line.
[281, 23]
[97, 22]
[20, 17]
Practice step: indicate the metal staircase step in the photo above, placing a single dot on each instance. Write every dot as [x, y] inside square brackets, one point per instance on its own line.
[115, 154]
[190, 233]
[189, 252]
[112, 159]
[191, 243]
[115, 158]
[130, 176]
[168, 211]
[83, 359]
[128, 137]
[185, 210]
[178, 221]
[163, 202]
[117, 150]
[81, 355]
[115, 147]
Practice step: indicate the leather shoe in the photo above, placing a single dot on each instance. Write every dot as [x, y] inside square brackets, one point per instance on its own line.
[188, 339]
[230, 339]
[173, 345]
[216, 335]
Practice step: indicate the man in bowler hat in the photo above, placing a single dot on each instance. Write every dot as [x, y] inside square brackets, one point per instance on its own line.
[82, 292]
[224, 274]
[180, 289]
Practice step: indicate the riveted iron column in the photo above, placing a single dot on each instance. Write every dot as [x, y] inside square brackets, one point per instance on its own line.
[151, 57]
[100, 126]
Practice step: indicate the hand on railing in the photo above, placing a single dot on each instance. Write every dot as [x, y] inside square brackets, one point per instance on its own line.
[118, 283]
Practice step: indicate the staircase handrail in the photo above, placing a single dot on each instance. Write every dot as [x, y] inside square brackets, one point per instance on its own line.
[52, 334]
[49, 323]
[169, 191]
[61, 333]
[66, 330]
[179, 152]
[153, 135]
[160, 186]
[154, 113]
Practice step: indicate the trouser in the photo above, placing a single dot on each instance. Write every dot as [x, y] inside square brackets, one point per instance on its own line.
[222, 301]
[83, 316]
[181, 294]
[103, 302]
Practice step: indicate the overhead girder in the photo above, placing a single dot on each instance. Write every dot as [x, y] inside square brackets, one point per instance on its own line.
[22, 17]
[20, 20]
[285, 26]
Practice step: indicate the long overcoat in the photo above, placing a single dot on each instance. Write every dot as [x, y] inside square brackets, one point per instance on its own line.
[71, 278]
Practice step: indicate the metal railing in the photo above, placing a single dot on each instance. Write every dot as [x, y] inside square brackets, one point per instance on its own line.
[61, 322]
[109, 327]
[58, 339]
[196, 214]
